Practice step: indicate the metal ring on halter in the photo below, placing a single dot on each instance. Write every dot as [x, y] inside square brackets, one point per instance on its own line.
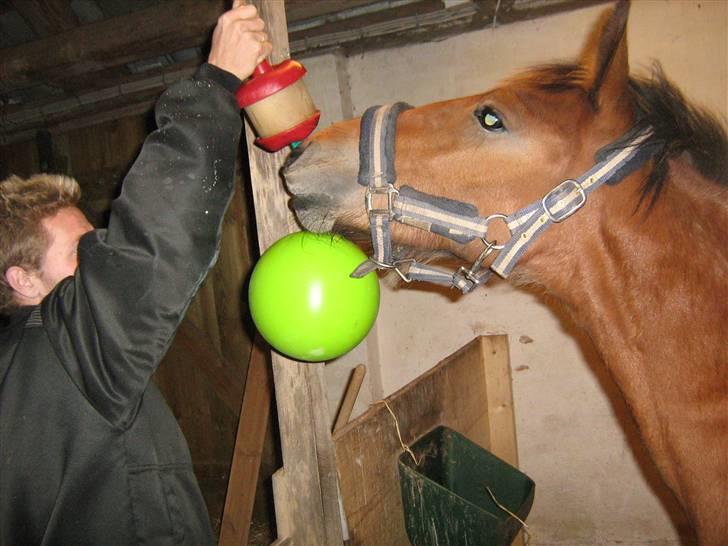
[471, 274]
[489, 247]
[493, 245]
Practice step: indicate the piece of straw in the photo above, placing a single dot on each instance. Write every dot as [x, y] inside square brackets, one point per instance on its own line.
[405, 447]
[507, 511]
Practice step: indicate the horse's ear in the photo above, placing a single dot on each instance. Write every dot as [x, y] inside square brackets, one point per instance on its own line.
[604, 57]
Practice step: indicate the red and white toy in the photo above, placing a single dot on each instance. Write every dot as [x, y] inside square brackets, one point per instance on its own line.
[278, 104]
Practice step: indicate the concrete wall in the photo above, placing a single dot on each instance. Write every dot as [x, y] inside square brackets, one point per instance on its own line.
[595, 484]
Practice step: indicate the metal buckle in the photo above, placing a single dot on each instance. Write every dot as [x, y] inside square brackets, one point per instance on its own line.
[390, 191]
[556, 218]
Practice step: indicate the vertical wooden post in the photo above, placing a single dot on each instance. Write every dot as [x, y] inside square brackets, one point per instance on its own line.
[305, 491]
[499, 399]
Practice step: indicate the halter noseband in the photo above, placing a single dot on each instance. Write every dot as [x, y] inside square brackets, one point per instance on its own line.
[460, 221]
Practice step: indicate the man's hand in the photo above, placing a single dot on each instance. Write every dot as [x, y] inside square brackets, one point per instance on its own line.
[238, 42]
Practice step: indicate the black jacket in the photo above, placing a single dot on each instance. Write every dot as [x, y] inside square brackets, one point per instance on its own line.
[89, 452]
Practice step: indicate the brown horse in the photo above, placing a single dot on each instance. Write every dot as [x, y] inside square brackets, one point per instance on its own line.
[643, 265]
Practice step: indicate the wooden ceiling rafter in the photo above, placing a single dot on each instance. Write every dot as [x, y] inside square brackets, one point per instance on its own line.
[83, 70]
[110, 42]
[46, 17]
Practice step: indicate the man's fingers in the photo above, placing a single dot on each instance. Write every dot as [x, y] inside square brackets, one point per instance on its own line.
[259, 36]
[253, 25]
[238, 3]
[266, 50]
[242, 11]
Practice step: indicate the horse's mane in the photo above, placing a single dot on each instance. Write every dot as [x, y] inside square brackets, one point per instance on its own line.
[678, 126]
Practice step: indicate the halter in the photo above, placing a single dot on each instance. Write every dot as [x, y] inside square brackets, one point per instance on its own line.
[460, 221]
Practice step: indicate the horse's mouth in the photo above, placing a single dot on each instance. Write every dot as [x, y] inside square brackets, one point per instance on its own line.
[313, 211]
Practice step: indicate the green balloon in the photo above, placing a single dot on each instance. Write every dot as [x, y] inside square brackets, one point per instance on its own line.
[303, 301]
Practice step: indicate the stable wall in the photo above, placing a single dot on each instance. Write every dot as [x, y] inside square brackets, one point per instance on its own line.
[595, 483]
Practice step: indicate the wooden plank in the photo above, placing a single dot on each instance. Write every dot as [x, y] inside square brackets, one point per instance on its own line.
[499, 399]
[334, 24]
[296, 10]
[77, 116]
[305, 492]
[352, 391]
[453, 394]
[46, 17]
[245, 466]
[110, 42]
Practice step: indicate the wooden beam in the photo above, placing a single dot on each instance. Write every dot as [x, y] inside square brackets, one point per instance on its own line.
[499, 398]
[297, 10]
[76, 116]
[249, 442]
[350, 395]
[499, 401]
[117, 77]
[46, 17]
[129, 96]
[307, 509]
[164, 28]
[332, 24]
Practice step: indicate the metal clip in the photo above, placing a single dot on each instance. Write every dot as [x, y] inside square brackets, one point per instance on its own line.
[402, 274]
[472, 273]
[390, 191]
[556, 218]
[395, 267]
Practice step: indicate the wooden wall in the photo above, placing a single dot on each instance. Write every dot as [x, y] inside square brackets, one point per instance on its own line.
[203, 374]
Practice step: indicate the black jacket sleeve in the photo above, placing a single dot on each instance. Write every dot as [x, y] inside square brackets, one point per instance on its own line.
[112, 322]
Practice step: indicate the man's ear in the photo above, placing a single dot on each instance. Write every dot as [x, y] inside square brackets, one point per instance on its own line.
[26, 285]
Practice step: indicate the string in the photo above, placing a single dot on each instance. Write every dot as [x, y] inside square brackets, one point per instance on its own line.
[499, 505]
[405, 447]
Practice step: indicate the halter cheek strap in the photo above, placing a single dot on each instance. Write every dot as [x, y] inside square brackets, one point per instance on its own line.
[385, 203]
[377, 174]
[460, 221]
[568, 197]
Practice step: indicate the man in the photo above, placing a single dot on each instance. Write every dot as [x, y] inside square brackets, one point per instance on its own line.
[89, 452]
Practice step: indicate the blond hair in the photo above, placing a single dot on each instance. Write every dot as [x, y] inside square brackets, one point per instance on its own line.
[23, 240]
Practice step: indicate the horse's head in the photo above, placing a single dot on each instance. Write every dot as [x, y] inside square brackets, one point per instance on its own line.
[499, 151]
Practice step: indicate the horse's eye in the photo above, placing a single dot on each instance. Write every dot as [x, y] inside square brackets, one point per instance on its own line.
[490, 119]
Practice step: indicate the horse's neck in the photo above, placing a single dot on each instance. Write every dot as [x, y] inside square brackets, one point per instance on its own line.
[652, 293]
[651, 289]
[655, 283]
[645, 267]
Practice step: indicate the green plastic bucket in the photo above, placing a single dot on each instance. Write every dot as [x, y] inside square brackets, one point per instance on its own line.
[445, 499]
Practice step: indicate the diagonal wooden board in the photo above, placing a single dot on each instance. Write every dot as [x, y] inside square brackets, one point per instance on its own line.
[470, 391]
